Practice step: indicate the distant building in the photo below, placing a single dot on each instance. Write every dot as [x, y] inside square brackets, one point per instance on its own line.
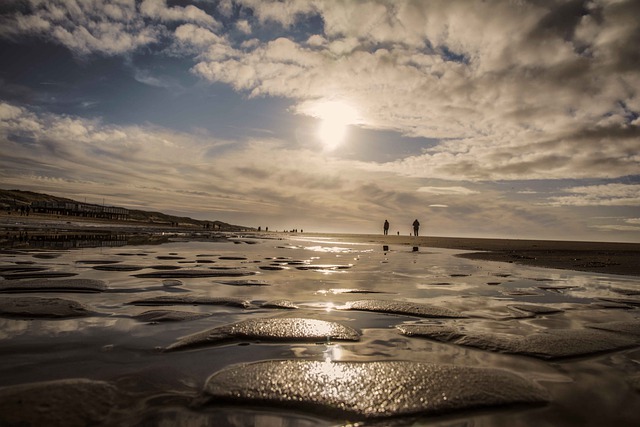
[80, 209]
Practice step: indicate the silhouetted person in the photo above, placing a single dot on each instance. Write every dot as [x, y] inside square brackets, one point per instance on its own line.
[386, 227]
[416, 227]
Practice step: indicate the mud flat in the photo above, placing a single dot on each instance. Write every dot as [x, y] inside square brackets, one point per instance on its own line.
[317, 330]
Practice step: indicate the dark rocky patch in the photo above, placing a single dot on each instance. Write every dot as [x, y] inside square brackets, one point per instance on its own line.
[557, 289]
[403, 307]
[281, 329]
[192, 300]
[271, 267]
[626, 292]
[164, 267]
[232, 258]
[46, 256]
[170, 257]
[550, 344]
[21, 268]
[172, 282]
[323, 267]
[118, 267]
[369, 390]
[181, 274]
[41, 307]
[247, 282]
[459, 275]
[37, 275]
[535, 309]
[49, 285]
[62, 403]
[97, 261]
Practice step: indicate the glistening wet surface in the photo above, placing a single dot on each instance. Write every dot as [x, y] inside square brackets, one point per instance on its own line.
[306, 331]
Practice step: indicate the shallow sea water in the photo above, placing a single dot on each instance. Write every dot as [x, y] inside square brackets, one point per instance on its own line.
[320, 276]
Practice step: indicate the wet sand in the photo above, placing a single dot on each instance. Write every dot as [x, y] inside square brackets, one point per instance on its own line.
[268, 329]
[599, 257]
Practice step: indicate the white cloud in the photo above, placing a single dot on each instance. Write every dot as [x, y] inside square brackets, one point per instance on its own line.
[111, 28]
[509, 88]
[447, 190]
[157, 9]
[600, 195]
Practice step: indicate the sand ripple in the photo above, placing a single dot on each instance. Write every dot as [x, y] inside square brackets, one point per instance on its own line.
[371, 389]
[273, 329]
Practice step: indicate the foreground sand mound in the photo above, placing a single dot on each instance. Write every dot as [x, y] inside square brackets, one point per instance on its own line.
[402, 307]
[272, 329]
[68, 403]
[370, 389]
[550, 344]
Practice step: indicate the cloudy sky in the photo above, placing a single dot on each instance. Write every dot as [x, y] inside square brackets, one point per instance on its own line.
[479, 118]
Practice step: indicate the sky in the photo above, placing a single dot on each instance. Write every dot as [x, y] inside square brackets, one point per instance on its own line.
[506, 119]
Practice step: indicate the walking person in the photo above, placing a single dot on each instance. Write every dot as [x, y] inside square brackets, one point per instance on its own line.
[416, 227]
[386, 227]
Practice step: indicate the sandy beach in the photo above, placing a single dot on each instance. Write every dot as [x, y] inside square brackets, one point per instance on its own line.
[135, 324]
[603, 257]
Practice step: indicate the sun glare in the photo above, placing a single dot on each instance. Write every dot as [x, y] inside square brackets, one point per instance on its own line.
[335, 117]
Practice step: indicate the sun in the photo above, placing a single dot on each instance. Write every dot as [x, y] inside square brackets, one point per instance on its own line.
[335, 118]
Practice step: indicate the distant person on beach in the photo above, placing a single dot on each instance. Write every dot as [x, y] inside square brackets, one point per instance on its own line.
[416, 227]
[386, 227]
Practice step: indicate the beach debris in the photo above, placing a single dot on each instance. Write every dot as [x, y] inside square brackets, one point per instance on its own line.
[51, 285]
[281, 329]
[369, 390]
[550, 344]
[402, 307]
[192, 300]
[41, 307]
[69, 403]
[180, 274]
[168, 316]
[279, 303]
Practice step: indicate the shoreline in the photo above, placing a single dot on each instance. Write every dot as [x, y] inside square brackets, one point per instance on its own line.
[598, 257]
